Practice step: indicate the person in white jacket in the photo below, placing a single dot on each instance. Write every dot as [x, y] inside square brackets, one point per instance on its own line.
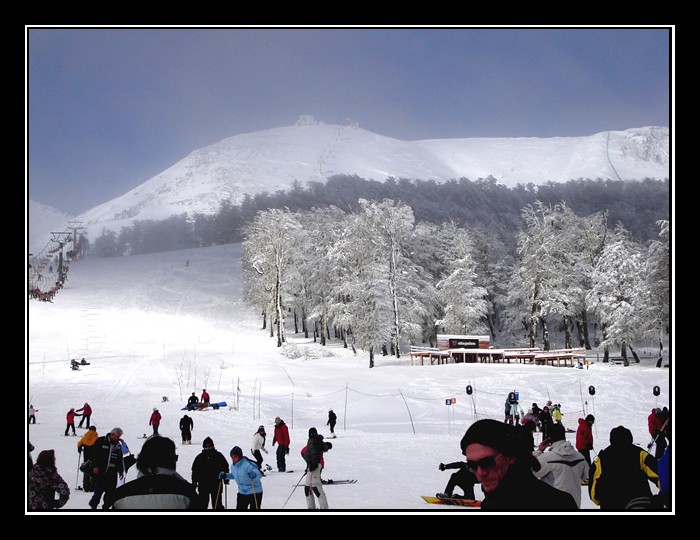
[562, 466]
[257, 445]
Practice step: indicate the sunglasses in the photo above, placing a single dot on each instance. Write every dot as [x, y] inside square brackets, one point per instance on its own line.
[485, 464]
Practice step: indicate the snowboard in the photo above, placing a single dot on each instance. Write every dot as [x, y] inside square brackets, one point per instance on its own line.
[452, 502]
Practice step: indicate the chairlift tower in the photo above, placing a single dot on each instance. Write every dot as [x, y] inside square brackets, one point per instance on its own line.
[61, 238]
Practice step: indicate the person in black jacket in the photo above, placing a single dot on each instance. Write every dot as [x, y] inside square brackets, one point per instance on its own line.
[620, 474]
[192, 402]
[186, 426]
[463, 478]
[313, 455]
[332, 419]
[109, 465]
[497, 454]
[205, 473]
[158, 485]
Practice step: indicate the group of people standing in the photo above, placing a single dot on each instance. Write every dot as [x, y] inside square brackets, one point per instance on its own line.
[500, 457]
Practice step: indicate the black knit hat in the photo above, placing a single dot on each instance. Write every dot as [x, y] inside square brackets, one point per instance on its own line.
[207, 442]
[620, 435]
[493, 433]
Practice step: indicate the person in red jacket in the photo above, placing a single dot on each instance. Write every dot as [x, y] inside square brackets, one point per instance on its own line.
[657, 428]
[70, 421]
[87, 413]
[281, 438]
[584, 437]
[155, 420]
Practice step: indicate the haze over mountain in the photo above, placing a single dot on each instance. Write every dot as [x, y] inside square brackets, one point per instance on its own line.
[276, 159]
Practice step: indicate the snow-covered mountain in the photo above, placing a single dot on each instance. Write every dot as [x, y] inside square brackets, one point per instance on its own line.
[272, 160]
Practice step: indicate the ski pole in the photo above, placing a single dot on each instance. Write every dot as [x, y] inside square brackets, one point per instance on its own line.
[226, 496]
[77, 473]
[290, 495]
[653, 441]
[252, 484]
[218, 493]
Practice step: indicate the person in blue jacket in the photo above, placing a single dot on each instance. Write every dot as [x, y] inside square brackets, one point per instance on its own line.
[247, 476]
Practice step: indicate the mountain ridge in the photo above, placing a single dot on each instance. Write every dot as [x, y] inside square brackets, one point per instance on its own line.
[276, 159]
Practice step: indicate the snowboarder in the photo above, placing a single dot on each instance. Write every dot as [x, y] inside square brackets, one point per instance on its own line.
[87, 413]
[32, 414]
[463, 478]
[258, 445]
[248, 478]
[192, 402]
[74, 365]
[205, 473]
[83, 362]
[186, 427]
[155, 420]
[281, 438]
[205, 398]
[70, 421]
[332, 418]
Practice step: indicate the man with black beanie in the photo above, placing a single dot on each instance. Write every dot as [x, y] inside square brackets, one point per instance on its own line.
[205, 473]
[497, 454]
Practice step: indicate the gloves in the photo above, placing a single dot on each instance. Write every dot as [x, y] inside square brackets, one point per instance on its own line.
[222, 476]
[80, 449]
[287, 451]
[226, 481]
[441, 466]
[252, 475]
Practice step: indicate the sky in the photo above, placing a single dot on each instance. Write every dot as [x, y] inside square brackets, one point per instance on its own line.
[166, 325]
[108, 108]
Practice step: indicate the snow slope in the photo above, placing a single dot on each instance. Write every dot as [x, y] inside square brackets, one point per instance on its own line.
[154, 326]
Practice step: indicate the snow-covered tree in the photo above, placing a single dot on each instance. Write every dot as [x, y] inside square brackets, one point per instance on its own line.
[615, 283]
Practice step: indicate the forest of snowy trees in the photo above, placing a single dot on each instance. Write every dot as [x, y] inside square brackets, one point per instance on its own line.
[379, 280]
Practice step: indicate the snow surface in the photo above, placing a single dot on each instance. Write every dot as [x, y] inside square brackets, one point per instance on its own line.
[151, 326]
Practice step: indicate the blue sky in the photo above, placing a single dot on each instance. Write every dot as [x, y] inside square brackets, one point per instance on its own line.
[109, 108]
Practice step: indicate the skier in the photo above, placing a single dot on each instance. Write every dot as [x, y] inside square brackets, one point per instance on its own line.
[43, 482]
[70, 421]
[192, 402]
[205, 398]
[657, 429]
[247, 477]
[281, 438]
[463, 478]
[85, 447]
[32, 414]
[87, 413]
[332, 418]
[155, 420]
[313, 455]
[186, 427]
[259, 445]
[205, 473]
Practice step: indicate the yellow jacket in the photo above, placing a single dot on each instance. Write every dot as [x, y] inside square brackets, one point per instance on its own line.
[88, 439]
